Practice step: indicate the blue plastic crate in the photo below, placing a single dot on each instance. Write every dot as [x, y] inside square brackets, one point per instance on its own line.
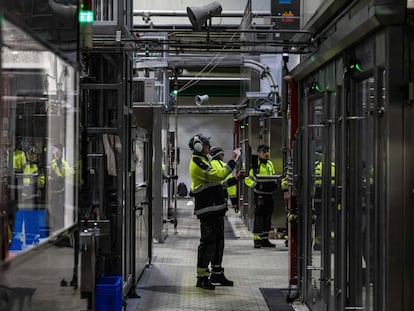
[108, 294]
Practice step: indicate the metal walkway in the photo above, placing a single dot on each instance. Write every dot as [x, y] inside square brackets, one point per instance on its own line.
[169, 284]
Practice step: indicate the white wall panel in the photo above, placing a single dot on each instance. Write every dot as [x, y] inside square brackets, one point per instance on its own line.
[218, 127]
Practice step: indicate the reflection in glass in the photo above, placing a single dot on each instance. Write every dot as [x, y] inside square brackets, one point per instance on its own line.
[315, 167]
[365, 194]
[334, 207]
[54, 21]
[322, 189]
[38, 147]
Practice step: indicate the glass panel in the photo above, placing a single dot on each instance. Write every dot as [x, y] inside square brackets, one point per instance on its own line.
[104, 10]
[315, 184]
[55, 21]
[141, 205]
[333, 208]
[322, 195]
[362, 215]
[39, 141]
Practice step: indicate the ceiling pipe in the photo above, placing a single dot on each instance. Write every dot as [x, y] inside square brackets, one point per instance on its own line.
[205, 107]
[262, 69]
[220, 29]
[184, 13]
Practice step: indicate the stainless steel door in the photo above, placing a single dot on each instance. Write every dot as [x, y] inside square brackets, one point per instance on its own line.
[361, 212]
[321, 201]
[143, 214]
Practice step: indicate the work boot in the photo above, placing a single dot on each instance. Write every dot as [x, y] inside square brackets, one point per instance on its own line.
[257, 243]
[218, 278]
[204, 282]
[267, 243]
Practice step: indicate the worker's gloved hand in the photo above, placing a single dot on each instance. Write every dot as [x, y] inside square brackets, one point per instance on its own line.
[292, 217]
[240, 174]
[236, 154]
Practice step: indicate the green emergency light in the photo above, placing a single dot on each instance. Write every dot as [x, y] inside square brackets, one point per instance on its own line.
[356, 67]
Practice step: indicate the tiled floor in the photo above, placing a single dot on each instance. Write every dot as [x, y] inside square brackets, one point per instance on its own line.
[169, 284]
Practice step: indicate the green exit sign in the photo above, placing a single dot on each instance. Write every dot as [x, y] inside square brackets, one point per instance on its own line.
[85, 17]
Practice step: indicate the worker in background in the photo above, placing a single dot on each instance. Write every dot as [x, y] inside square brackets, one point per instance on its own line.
[16, 182]
[210, 208]
[19, 156]
[263, 197]
[317, 199]
[60, 168]
[33, 176]
[230, 183]
[19, 161]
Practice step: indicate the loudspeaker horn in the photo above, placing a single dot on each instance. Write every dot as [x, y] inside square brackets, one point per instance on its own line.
[201, 99]
[198, 15]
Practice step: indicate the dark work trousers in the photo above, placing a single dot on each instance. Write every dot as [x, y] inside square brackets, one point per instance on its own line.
[263, 214]
[212, 241]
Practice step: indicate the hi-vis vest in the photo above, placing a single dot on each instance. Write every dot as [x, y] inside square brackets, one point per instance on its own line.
[318, 173]
[206, 185]
[265, 187]
[19, 159]
[229, 184]
[61, 169]
[36, 176]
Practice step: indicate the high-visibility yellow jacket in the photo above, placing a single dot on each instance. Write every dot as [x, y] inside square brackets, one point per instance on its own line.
[284, 183]
[206, 185]
[318, 173]
[19, 159]
[61, 168]
[229, 183]
[36, 175]
[266, 168]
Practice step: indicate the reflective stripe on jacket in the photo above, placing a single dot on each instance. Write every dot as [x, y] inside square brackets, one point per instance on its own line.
[261, 187]
[36, 176]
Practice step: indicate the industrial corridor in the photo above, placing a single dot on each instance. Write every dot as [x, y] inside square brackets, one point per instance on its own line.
[126, 125]
[169, 282]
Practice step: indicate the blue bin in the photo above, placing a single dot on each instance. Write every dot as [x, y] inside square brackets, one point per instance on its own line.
[108, 294]
[29, 227]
